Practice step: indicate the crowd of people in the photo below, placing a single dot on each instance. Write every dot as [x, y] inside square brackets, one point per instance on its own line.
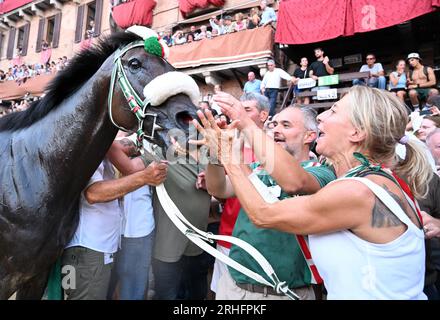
[224, 25]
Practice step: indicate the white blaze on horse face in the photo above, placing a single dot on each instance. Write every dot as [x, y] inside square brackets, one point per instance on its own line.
[169, 84]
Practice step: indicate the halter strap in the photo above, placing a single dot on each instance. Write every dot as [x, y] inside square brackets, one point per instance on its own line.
[135, 103]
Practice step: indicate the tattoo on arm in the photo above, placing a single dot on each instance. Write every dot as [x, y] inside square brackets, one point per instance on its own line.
[382, 217]
[129, 146]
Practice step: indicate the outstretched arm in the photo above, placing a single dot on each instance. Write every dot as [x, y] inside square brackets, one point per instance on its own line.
[282, 166]
[326, 211]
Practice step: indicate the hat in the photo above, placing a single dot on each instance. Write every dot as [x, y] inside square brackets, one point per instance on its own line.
[414, 55]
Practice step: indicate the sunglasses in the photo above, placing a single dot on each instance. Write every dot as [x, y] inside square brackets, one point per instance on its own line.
[371, 58]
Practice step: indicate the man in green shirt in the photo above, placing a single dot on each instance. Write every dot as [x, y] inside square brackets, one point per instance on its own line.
[294, 129]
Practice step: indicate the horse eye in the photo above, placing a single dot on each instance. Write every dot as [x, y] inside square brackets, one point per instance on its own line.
[134, 64]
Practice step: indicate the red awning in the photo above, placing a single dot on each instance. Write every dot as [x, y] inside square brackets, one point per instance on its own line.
[238, 46]
[301, 22]
[10, 90]
[139, 12]
[187, 6]
[9, 5]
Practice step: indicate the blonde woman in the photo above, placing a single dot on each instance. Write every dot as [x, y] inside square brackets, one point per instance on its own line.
[366, 235]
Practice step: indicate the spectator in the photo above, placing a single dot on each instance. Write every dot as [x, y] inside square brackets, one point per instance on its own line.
[189, 37]
[168, 38]
[398, 80]
[253, 21]
[18, 58]
[374, 244]
[376, 78]
[256, 107]
[253, 84]
[271, 84]
[217, 25]
[429, 124]
[433, 143]
[421, 80]
[175, 257]
[192, 30]
[96, 239]
[217, 88]
[229, 26]
[46, 52]
[179, 38]
[268, 15]
[239, 24]
[204, 33]
[134, 257]
[301, 72]
[90, 32]
[321, 67]
[65, 61]
[2, 76]
[214, 33]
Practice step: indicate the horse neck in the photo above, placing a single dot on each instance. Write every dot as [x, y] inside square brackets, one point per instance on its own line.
[80, 134]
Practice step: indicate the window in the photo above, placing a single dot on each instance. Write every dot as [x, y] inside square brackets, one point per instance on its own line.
[20, 38]
[88, 21]
[50, 30]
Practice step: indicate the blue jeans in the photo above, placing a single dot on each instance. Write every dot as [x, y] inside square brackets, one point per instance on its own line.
[188, 276]
[133, 266]
[272, 95]
[379, 82]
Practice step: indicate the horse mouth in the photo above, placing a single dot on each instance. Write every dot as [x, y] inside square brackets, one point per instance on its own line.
[184, 119]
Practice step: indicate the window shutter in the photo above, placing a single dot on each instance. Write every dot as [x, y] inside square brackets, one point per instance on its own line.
[27, 27]
[98, 17]
[56, 30]
[11, 43]
[40, 34]
[79, 24]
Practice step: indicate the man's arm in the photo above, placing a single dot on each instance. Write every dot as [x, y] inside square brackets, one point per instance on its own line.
[108, 190]
[312, 76]
[432, 80]
[327, 65]
[218, 183]
[119, 155]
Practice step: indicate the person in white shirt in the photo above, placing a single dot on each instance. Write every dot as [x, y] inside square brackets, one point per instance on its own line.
[268, 15]
[271, 84]
[90, 252]
[133, 260]
[376, 78]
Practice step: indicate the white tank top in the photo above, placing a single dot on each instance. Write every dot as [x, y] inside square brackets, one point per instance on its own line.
[353, 268]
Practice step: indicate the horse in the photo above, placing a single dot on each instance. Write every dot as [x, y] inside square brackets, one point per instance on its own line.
[49, 152]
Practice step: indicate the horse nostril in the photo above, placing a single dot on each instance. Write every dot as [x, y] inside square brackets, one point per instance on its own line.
[183, 119]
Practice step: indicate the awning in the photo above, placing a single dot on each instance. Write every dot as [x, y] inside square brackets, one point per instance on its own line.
[238, 46]
[139, 12]
[204, 17]
[9, 5]
[187, 6]
[301, 22]
[10, 90]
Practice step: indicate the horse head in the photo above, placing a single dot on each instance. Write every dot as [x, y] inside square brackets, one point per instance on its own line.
[147, 95]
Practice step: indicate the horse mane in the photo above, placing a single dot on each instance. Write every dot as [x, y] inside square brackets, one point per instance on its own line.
[80, 68]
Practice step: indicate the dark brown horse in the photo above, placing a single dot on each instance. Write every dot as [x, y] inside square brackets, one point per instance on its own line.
[49, 152]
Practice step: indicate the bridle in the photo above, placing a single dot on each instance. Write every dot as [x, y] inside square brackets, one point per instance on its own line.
[135, 103]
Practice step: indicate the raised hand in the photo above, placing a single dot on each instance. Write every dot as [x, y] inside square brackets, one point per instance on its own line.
[232, 108]
[219, 141]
